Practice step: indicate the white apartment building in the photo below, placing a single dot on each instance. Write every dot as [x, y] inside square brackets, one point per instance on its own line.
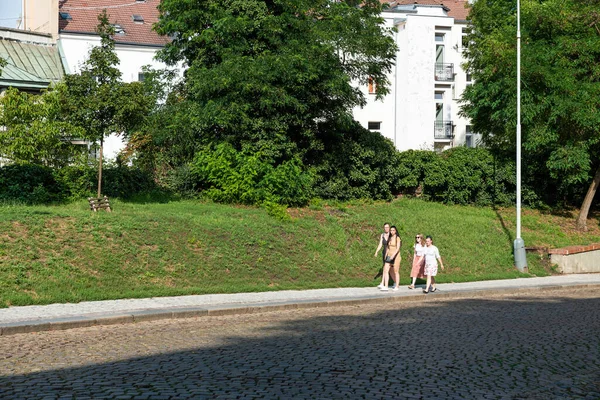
[421, 110]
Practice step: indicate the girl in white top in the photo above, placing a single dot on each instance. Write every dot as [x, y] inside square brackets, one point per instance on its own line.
[418, 264]
[432, 256]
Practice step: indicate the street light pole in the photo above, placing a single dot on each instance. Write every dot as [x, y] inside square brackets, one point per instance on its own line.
[519, 245]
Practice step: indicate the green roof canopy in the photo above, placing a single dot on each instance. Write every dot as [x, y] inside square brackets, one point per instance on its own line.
[29, 65]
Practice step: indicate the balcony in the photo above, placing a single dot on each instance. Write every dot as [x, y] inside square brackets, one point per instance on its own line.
[443, 130]
[444, 72]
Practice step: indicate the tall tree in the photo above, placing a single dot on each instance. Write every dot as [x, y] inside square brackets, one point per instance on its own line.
[561, 86]
[274, 76]
[98, 101]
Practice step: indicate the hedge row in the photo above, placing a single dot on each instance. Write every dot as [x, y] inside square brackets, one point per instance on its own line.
[457, 176]
[34, 184]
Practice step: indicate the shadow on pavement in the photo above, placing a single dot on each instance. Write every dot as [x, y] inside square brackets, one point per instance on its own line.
[514, 348]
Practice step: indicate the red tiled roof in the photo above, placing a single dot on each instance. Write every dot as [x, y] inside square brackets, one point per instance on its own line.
[458, 8]
[84, 14]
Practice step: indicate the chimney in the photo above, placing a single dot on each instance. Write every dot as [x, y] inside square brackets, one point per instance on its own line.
[41, 16]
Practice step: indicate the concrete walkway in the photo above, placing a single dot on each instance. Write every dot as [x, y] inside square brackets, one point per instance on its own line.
[65, 316]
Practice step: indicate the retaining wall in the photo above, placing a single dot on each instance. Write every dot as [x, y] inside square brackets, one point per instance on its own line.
[577, 259]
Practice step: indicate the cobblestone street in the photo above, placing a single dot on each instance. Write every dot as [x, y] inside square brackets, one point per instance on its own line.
[538, 346]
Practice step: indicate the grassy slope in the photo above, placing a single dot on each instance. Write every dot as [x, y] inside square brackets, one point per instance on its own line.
[68, 254]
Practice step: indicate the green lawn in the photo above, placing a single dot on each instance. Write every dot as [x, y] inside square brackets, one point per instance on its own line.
[67, 254]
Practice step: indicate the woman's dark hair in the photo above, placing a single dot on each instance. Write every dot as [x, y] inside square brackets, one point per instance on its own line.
[398, 236]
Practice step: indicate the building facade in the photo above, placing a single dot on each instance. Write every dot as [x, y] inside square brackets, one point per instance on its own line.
[32, 59]
[136, 44]
[422, 110]
[71, 25]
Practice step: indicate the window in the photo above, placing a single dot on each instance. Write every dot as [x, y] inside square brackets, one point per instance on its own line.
[439, 54]
[439, 96]
[141, 77]
[138, 19]
[439, 112]
[439, 37]
[469, 140]
[469, 77]
[65, 15]
[374, 126]
[372, 86]
[119, 30]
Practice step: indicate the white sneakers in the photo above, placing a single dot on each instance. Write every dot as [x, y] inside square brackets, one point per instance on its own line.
[383, 289]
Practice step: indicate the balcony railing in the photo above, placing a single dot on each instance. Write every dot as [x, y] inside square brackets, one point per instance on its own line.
[444, 72]
[444, 130]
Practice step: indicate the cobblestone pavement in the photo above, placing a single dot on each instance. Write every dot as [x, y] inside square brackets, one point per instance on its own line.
[539, 346]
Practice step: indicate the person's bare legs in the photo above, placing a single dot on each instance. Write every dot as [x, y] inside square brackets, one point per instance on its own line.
[414, 280]
[396, 277]
[426, 290]
[386, 276]
[433, 283]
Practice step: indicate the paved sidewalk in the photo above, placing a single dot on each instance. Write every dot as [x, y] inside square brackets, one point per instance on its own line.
[65, 316]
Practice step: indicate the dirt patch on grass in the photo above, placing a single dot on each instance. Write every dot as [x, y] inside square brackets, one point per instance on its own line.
[300, 213]
[164, 281]
[60, 225]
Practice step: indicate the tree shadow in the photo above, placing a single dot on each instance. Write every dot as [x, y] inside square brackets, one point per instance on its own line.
[520, 348]
[508, 234]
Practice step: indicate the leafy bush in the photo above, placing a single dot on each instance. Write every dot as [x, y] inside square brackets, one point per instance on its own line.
[461, 176]
[34, 184]
[411, 166]
[228, 176]
[124, 182]
[30, 184]
[77, 181]
[181, 180]
[117, 181]
[361, 165]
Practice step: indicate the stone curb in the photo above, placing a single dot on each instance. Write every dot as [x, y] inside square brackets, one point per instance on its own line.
[85, 321]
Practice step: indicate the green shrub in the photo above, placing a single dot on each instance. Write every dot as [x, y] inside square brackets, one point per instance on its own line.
[276, 210]
[461, 176]
[361, 165]
[30, 184]
[77, 181]
[117, 181]
[124, 182]
[411, 166]
[34, 184]
[181, 180]
[228, 176]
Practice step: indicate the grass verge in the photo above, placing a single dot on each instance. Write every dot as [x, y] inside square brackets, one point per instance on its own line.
[68, 254]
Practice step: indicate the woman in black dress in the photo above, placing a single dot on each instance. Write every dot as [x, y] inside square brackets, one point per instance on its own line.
[383, 240]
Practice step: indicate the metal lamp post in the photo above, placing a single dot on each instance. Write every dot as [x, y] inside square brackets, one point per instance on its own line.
[519, 245]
